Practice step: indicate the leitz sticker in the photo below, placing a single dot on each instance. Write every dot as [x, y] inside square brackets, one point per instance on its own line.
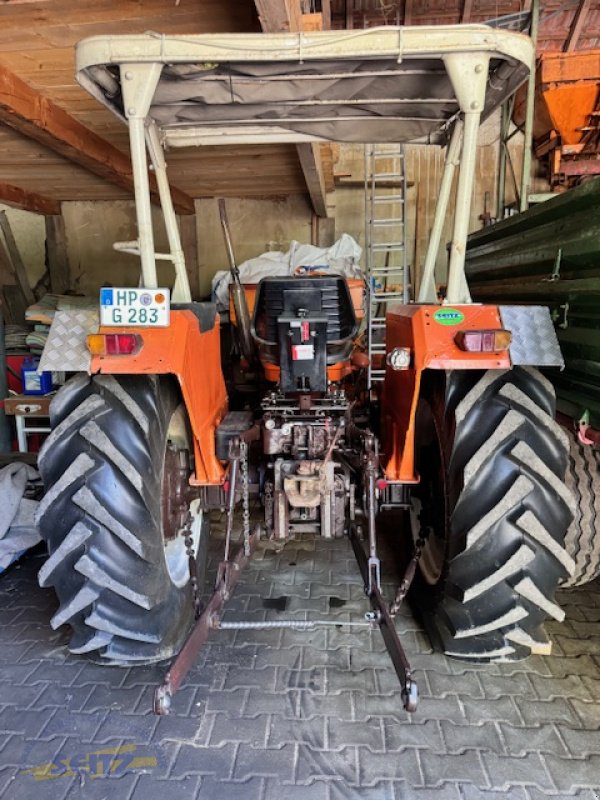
[448, 316]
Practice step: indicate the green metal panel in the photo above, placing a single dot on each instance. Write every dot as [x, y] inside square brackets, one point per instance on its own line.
[550, 255]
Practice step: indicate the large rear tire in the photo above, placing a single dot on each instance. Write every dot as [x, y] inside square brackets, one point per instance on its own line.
[583, 537]
[120, 571]
[492, 498]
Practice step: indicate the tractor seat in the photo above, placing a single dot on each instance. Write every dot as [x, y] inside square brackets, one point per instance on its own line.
[327, 297]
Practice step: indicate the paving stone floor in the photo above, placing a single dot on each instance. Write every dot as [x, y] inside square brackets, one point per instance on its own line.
[288, 715]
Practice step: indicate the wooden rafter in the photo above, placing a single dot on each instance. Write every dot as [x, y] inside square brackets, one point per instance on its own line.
[465, 14]
[274, 16]
[577, 26]
[349, 12]
[28, 201]
[326, 11]
[312, 167]
[28, 112]
[279, 15]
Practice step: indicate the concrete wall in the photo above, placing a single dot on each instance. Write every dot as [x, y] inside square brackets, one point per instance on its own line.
[30, 235]
[91, 229]
[256, 225]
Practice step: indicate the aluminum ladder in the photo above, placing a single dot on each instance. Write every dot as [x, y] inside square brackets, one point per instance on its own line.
[385, 246]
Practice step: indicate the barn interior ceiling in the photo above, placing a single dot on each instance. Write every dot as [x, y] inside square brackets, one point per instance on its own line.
[58, 144]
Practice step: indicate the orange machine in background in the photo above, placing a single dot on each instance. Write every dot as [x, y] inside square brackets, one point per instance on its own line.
[567, 114]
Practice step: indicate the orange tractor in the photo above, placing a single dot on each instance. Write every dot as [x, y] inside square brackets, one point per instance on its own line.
[459, 435]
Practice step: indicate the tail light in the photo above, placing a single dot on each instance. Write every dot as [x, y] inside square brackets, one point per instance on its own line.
[114, 344]
[483, 341]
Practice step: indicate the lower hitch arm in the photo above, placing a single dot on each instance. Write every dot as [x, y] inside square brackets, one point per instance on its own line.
[383, 617]
[228, 574]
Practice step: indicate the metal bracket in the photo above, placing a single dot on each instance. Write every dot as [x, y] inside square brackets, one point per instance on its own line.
[555, 276]
[585, 433]
[138, 84]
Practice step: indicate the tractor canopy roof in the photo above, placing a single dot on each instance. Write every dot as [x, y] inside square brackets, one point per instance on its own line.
[391, 84]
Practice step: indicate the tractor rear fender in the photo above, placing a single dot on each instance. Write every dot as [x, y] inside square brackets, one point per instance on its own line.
[188, 348]
[430, 334]
[191, 351]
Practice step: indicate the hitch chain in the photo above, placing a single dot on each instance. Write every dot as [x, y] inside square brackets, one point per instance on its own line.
[245, 496]
[409, 576]
[193, 567]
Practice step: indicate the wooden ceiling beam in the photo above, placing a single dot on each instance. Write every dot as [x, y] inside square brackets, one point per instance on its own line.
[286, 15]
[465, 15]
[279, 15]
[577, 26]
[28, 201]
[31, 114]
[349, 14]
[312, 167]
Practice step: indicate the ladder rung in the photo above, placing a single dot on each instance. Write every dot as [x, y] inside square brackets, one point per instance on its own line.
[384, 176]
[383, 297]
[386, 198]
[388, 246]
[386, 154]
[387, 270]
[386, 221]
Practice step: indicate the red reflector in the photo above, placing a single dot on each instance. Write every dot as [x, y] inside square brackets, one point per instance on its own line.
[381, 484]
[304, 331]
[121, 344]
[483, 341]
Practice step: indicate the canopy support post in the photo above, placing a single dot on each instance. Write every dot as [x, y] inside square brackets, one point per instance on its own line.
[139, 82]
[181, 289]
[469, 74]
[427, 290]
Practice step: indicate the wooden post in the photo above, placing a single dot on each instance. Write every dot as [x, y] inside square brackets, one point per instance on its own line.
[323, 231]
[57, 259]
[15, 259]
[189, 245]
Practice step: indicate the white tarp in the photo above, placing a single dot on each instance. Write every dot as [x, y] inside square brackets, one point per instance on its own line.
[342, 258]
[18, 531]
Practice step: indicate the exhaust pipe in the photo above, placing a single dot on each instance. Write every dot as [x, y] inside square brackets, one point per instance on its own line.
[240, 302]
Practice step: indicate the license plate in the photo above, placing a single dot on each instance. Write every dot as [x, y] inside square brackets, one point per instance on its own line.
[147, 308]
